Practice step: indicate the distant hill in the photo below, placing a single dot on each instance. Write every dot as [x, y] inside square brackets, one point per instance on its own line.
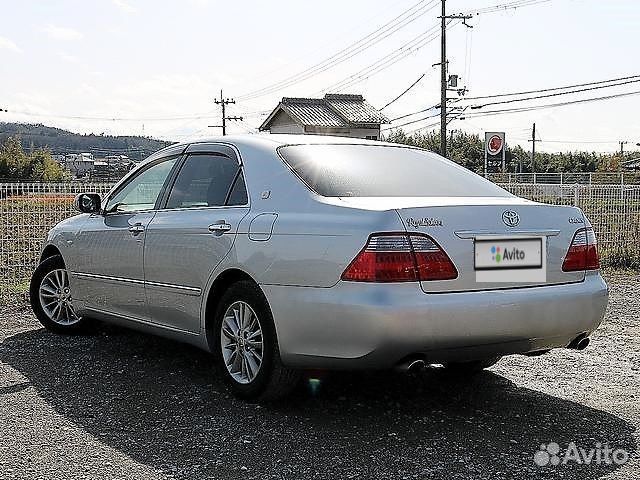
[62, 141]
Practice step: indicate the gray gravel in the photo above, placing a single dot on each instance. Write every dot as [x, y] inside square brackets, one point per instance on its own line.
[118, 404]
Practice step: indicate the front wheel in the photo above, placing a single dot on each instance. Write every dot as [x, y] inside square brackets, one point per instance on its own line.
[51, 299]
[245, 346]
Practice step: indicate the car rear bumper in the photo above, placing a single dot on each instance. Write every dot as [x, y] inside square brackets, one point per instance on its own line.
[361, 325]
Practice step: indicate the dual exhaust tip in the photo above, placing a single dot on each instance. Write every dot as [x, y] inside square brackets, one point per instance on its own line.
[418, 364]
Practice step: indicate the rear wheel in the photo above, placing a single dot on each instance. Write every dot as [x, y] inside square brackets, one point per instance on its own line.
[51, 298]
[245, 345]
[471, 368]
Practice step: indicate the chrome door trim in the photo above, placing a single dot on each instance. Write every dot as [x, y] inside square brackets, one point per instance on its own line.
[187, 290]
[470, 234]
[107, 277]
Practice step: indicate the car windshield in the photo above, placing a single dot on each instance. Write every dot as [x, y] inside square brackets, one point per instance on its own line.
[383, 171]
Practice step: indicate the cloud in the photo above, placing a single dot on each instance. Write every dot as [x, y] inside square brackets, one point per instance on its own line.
[62, 33]
[124, 6]
[68, 57]
[7, 44]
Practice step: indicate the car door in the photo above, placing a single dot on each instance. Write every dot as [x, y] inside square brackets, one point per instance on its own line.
[194, 231]
[110, 272]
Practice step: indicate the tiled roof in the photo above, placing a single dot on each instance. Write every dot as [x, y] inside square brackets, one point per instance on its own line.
[355, 109]
[334, 110]
[310, 111]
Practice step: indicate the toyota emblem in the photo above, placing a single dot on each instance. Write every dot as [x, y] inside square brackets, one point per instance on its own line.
[510, 218]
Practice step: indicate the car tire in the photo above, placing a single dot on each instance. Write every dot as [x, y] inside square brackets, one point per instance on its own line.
[237, 346]
[51, 300]
[470, 368]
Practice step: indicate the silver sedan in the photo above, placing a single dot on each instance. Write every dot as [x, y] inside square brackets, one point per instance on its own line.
[283, 253]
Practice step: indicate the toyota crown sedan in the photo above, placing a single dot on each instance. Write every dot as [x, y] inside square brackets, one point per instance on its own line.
[280, 253]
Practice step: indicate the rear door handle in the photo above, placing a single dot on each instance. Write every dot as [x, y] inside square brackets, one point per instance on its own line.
[219, 227]
[136, 229]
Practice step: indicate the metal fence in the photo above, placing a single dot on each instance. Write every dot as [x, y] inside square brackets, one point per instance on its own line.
[613, 210]
[29, 210]
[568, 178]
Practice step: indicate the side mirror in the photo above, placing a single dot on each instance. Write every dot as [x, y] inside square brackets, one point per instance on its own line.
[87, 202]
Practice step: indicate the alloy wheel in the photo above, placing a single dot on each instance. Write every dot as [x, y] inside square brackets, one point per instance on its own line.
[242, 342]
[55, 298]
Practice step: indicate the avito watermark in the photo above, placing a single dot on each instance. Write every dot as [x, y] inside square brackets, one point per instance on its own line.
[601, 454]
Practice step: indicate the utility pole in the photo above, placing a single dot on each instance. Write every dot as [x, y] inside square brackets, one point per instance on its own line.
[622, 142]
[443, 74]
[443, 81]
[224, 102]
[533, 149]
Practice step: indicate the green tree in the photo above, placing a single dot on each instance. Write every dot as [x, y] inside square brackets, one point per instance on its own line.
[39, 165]
[46, 169]
[13, 160]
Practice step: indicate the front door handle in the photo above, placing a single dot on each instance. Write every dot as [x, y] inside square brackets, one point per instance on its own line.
[136, 229]
[219, 227]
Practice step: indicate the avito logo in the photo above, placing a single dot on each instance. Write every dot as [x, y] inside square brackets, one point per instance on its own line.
[501, 254]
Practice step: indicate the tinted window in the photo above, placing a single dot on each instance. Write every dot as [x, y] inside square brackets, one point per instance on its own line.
[142, 191]
[238, 194]
[383, 171]
[203, 181]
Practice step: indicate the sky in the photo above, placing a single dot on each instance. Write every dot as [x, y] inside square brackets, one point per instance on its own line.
[153, 68]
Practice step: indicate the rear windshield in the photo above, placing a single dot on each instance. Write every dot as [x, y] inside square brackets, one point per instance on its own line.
[383, 171]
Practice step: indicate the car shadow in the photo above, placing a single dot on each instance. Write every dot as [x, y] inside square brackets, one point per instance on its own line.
[160, 403]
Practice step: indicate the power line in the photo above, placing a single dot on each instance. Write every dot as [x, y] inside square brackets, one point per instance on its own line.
[506, 6]
[463, 116]
[543, 90]
[514, 100]
[114, 118]
[551, 105]
[405, 91]
[532, 91]
[387, 61]
[412, 122]
[405, 18]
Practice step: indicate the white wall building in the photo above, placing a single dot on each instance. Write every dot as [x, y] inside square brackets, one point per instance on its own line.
[335, 114]
[78, 163]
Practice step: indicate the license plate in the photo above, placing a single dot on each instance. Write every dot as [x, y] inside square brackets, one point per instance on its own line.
[505, 254]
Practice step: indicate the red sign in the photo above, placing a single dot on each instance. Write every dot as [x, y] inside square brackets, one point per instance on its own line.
[494, 145]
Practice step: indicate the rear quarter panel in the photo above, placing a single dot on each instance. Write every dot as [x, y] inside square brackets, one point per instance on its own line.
[311, 241]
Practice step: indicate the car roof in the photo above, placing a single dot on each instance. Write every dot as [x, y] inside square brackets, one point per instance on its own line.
[273, 140]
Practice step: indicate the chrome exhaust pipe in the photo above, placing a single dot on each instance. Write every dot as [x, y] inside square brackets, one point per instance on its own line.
[583, 343]
[412, 365]
[416, 366]
[580, 342]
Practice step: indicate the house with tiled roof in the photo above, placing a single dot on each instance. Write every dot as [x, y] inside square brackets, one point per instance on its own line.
[334, 114]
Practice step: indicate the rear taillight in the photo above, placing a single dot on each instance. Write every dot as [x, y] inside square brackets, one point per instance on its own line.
[583, 252]
[400, 257]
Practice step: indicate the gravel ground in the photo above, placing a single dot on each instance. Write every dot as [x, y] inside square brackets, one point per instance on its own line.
[118, 404]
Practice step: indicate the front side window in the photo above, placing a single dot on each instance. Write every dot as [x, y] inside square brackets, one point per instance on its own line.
[142, 191]
[205, 181]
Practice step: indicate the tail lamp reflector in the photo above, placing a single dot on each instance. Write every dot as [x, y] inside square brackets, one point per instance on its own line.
[400, 258]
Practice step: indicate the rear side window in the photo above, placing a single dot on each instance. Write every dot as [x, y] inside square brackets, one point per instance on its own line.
[383, 171]
[204, 181]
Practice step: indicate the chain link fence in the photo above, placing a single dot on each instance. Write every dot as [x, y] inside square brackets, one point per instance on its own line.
[29, 210]
[613, 210]
[568, 178]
